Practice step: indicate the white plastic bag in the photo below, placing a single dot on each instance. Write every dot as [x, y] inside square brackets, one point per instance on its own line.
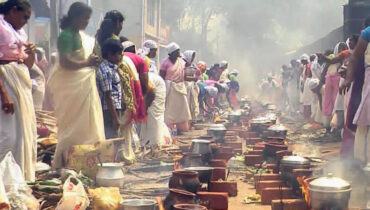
[74, 195]
[17, 191]
[4, 201]
[10, 172]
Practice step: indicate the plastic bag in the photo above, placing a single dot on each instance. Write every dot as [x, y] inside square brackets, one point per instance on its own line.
[17, 191]
[106, 198]
[4, 202]
[74, 196]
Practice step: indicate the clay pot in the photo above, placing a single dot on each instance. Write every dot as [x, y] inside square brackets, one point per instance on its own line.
[186, 180]
[177, 196]
[190, 159]
[189, 207]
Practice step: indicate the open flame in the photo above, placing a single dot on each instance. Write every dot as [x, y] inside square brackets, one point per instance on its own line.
[160, 203]
[176, 162]
[304, 187]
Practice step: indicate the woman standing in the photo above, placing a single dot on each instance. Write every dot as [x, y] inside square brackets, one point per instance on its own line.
[172, 70]
[233, 89]
[111, 27]
[17, 117]
[73, 84]
[191, 86]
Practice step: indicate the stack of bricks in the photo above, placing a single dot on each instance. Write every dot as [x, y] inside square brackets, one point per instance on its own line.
[276, 193]
[219, 190]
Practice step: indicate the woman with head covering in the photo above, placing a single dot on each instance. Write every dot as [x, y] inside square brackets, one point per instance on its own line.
[154, 132]
[201, 71]
[150, 48]
[224, 77]
[73, 85]
[233, 89]
[172, 70]
[191, 86]
[307, 93]
[17, 114]
[133, 99]
[332, 79]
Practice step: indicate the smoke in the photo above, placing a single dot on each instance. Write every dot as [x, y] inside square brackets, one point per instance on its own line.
[255, 36]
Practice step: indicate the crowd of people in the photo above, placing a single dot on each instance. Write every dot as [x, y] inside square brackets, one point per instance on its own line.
[330, 88]
[101, 87]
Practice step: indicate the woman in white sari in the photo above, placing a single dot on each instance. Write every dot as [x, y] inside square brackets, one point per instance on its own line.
[154, 131]
[17, 117]
[172, 70]
[73, 85]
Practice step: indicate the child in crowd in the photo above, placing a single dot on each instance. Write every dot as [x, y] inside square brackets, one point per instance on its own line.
[109, 87]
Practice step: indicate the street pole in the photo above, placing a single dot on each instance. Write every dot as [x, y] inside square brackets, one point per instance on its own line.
[54, 24]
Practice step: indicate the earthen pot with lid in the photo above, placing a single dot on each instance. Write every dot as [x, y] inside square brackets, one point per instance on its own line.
[177, 196]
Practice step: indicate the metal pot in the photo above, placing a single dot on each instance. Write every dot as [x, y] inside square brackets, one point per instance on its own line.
[110, 175]
[190, 159]
[234, 116]
[277, 131]
[202, 147]
[205, 174]
[139, 204]
[272, 117]
[218, 132]
[329, 193]
[259, 124]
[242, 102]
[288, 163]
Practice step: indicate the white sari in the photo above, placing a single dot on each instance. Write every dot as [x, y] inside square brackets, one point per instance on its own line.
[18, 130]
[77, 106]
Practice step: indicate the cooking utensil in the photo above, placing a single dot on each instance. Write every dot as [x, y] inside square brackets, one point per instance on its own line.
[260, 124]
[139, 204]
[329, 193]
[288, 163]
[271, 116]
[190, 159]
[202, 147]
[189, 207]
[277, 131]
[205, 174]
[218, 132]
[185, 179]
[110, 175]
[234, 116]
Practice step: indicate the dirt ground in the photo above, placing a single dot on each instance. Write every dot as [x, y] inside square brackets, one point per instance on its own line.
[308, 140]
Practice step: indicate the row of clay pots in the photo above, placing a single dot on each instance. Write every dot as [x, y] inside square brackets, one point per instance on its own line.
[181, 200]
